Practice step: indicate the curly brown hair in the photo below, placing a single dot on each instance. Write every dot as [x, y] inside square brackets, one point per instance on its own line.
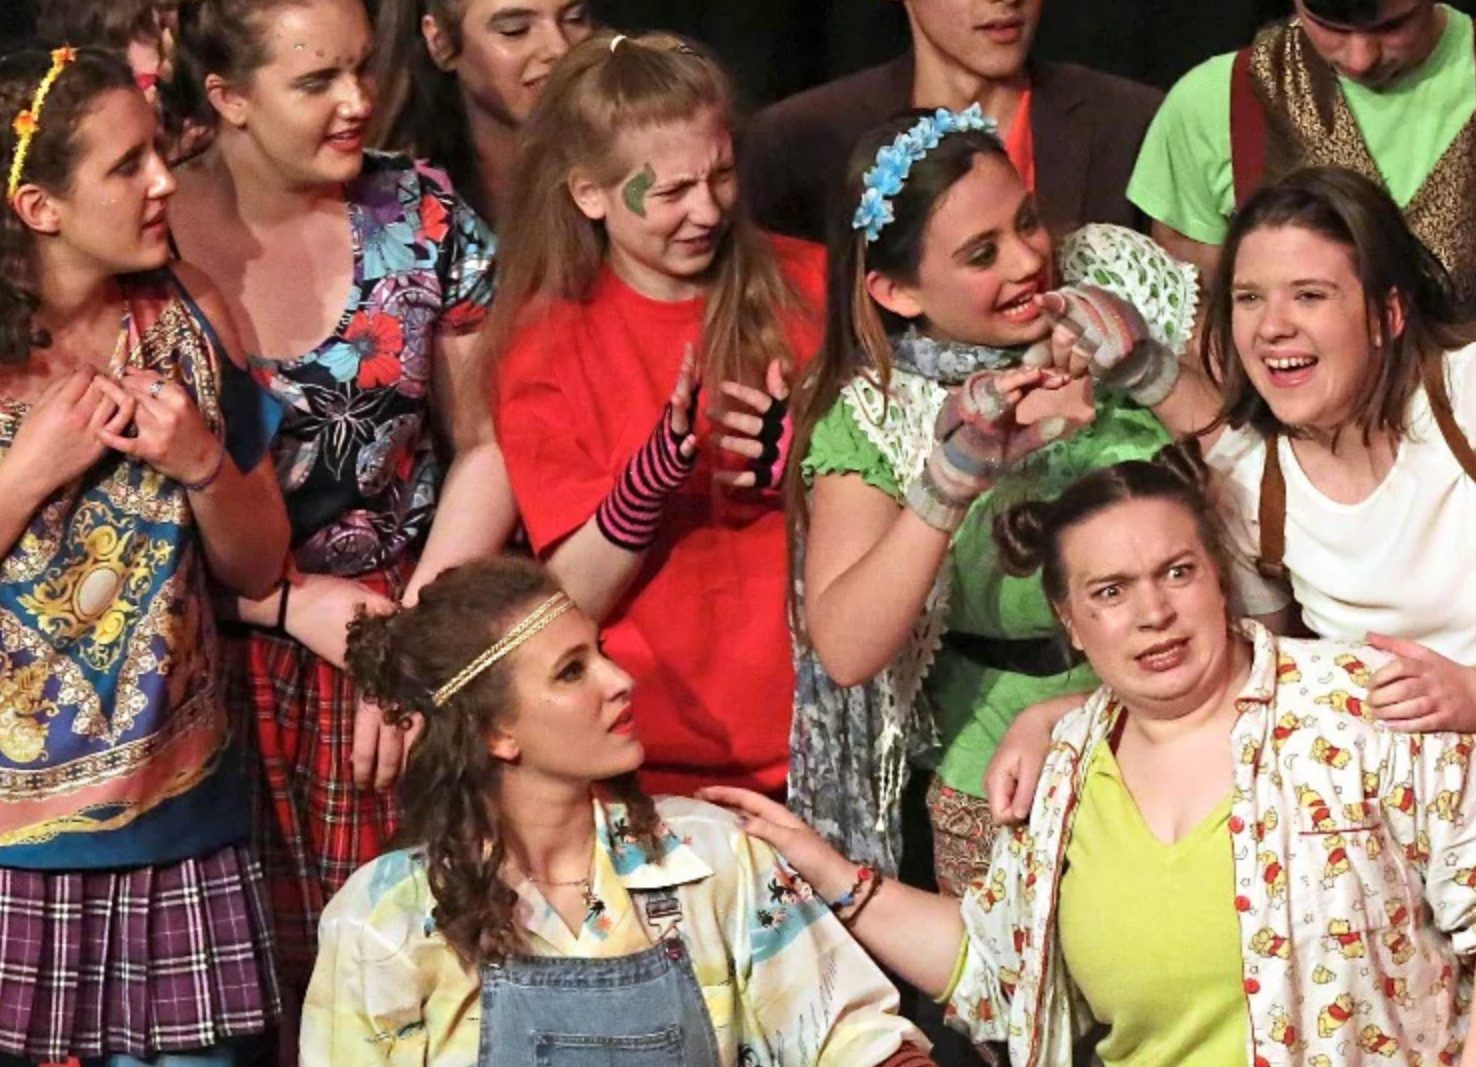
[399, 660]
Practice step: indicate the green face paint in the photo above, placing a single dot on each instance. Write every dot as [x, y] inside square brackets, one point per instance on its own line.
[636, 189]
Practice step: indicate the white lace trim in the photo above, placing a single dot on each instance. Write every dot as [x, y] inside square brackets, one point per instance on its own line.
[1134, 267]
[900, 426]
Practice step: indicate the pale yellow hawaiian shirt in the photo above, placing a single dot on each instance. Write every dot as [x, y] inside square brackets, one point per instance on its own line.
[1355, 879]
[783, 981]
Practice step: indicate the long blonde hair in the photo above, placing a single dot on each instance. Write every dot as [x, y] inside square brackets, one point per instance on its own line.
[553, 252]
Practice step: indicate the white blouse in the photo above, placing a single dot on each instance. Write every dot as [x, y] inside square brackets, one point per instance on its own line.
[1402, 561]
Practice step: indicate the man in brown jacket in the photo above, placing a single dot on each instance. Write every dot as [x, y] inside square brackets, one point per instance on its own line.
[1072, 132]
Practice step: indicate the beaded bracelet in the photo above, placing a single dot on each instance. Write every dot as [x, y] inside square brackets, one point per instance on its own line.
[864, 874]
[850, 917]
[209, 479]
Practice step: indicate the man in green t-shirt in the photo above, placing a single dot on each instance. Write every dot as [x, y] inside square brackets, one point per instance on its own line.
[1395, 78]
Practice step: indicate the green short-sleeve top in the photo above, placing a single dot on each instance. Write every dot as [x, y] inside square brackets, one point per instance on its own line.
[974, 705]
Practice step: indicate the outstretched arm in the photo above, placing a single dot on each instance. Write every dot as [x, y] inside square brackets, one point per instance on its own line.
[912, 933]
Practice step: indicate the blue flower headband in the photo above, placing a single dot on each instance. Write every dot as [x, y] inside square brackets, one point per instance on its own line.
[894, 162]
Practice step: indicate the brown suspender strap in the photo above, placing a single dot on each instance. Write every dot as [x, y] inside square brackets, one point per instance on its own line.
[1433, 371]
[1247, 130]
[1273, 513]
[1273, 482]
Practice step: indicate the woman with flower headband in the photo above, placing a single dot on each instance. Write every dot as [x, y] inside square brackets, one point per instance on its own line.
[550, 912]
[945, 282]
[631, 273]
[358, 279]
[133, 469]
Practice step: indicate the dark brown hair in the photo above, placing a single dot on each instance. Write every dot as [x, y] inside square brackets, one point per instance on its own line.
[53, 153]
[856, 327]
[399, 661]
[98, 23]
[1028, 535]
[224, 37]
[551, 251]
[421, 109]
[1391, 264]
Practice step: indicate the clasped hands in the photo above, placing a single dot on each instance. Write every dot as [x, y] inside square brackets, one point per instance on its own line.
[83, 414]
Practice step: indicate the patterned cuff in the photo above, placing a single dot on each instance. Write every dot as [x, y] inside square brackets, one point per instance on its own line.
[929, 505]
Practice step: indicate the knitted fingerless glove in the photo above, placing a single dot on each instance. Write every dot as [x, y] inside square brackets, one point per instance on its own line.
[967, 455]
[630, 516]
[1122, 354]
[774, 436]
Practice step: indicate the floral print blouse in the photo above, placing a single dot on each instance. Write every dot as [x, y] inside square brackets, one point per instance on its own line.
[354, 450]
[1354, 878]
[783, 982]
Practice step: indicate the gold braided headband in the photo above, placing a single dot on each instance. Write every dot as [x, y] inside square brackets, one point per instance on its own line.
[28, 121]
[540, 617]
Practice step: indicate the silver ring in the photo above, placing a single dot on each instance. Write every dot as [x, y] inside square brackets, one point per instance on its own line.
[156, 388]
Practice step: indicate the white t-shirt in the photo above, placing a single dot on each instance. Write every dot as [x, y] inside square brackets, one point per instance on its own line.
[1400, 562]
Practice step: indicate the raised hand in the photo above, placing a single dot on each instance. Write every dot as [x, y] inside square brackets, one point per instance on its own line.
[760, 435]
[976, 437]
[1421, 691]
[1099, 334]
[171, 435]
[630, 516]
[67, 431]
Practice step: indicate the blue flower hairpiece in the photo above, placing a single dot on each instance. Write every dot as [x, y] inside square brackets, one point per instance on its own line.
[894, 162]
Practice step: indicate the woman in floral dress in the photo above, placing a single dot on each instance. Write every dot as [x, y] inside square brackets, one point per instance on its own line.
[358, 279]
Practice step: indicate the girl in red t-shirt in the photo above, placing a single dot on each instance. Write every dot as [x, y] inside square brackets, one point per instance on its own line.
[631, 285]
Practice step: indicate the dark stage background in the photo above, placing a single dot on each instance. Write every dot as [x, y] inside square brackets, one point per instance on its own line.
[777, 47]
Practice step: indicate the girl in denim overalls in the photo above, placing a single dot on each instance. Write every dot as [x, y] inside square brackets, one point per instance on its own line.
[550, 912]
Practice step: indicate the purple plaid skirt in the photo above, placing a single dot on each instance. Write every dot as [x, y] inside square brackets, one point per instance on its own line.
[137, 961]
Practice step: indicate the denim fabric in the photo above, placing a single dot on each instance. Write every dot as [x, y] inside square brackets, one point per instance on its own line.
[642, 1010]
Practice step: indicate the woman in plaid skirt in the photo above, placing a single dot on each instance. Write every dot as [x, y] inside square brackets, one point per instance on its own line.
[358, 279]
[133, 469]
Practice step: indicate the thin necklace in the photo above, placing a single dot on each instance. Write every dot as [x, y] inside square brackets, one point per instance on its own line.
[559, 885]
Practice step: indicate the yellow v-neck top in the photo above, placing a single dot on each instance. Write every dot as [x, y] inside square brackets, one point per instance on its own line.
[1149, 931]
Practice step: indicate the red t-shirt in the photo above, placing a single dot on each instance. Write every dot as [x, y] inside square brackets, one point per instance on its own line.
[703, 629]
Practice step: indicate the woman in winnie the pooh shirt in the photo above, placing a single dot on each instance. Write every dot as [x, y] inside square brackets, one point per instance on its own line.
[1331, 930]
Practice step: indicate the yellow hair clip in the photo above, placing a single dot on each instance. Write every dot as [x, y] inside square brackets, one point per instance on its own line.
[28, 121]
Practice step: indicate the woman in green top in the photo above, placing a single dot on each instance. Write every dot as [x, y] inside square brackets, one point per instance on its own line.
[947, 272]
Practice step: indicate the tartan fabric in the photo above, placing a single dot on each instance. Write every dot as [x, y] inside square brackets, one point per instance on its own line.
[314, 826]
[140, 961]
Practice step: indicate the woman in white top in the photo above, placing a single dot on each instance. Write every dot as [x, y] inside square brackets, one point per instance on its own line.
[1336, 338]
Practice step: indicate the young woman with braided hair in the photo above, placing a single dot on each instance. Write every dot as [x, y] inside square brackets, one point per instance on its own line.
[630, 273]
[550, 912]
[133, 471]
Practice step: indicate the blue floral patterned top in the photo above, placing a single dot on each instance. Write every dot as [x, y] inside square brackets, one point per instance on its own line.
[354, 450]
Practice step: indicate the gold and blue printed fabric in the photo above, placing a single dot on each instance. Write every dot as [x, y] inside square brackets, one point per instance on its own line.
[110, 715]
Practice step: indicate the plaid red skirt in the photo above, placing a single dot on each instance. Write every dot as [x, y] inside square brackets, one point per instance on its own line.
[314, 826]
[140, 961]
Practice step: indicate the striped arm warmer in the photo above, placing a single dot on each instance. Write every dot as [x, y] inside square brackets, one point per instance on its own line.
[630, 516]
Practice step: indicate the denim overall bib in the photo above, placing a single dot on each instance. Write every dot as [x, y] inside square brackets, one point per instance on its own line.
[641, 1010]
